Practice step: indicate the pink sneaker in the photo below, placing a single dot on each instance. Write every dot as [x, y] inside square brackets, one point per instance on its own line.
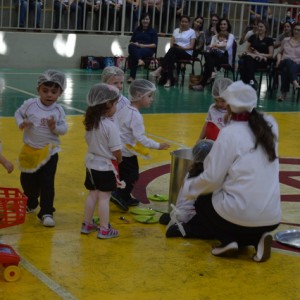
[107, 233]
[88, 228]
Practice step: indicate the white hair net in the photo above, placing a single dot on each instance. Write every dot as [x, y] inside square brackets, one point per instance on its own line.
[219, 86]
[102, 93]
[140, 88]
[111, 71]
[201, 149]
[53, 76]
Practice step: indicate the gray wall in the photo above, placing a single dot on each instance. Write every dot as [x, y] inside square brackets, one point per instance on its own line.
[36, 50]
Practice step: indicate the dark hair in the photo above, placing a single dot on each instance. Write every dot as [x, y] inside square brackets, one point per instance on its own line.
[93, 114]
[228, 25]
[263, 133]
[185, 17]
[198, 17]
[293, 27]
[195, 169]
[51, 84]
[143, 16]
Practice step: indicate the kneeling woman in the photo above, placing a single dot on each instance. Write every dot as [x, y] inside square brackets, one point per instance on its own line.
[242, 172]
[182, 45]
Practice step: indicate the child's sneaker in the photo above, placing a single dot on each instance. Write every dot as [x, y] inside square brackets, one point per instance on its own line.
[47, 221]
[88, 228]
[107, 233]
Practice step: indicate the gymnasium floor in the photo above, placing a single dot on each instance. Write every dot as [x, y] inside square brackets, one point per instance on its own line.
[60, 263]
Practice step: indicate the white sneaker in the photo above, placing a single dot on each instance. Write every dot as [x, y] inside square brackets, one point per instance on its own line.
[225, 249]
[47, 221]
[263, 251]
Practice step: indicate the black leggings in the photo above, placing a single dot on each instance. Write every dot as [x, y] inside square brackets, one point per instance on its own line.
[207, 224]
[171, 57]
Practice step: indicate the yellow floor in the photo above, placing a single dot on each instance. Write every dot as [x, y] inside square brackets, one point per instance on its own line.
[59, 263]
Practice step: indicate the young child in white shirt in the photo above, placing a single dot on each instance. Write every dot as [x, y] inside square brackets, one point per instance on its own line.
[132, 129]
[217, 111]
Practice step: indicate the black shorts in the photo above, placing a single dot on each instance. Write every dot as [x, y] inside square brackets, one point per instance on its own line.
[104, 181]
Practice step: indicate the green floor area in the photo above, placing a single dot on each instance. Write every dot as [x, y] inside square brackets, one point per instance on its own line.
[18, 85]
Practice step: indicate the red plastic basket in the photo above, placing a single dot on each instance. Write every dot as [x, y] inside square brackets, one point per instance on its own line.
[12, 207]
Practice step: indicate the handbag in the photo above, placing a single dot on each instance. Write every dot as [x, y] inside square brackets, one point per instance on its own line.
[194, 80]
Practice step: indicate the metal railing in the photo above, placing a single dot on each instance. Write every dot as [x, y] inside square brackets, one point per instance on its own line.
[105, 17]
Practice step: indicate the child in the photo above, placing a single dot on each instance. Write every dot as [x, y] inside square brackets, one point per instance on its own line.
[4, 162]
[216, 112]
[104, 154]
[115, 76]
[218, 43]
[132, 132]
[184, 210]
[42, 120]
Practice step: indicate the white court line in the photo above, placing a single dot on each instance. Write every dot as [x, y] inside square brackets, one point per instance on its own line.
[55, 287]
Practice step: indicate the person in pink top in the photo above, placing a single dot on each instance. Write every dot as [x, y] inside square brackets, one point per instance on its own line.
[288, 62]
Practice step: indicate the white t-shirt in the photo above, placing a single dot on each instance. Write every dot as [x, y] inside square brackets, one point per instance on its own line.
[39, 135]
[216, 115]
[183, 38]
[101, 143]
[133, 130]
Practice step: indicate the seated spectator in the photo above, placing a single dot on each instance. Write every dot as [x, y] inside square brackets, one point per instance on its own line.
[34, 6]
[249, 31]
[212, 29]
[287, 32]
[143, 44]
[132, 12]
[197, 25]
[175, 9]
[64, 6]
[153, 7]
[288, 62]
[258, 54]
[182, 45]
[93, 6]
[219, 53]
[112, 15]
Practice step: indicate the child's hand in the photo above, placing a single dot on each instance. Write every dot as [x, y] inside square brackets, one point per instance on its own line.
[25, 124]
[163, 146]
[8, 166]
[51, 123]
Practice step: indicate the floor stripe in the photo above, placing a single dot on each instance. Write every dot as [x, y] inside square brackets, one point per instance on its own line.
[55, 287]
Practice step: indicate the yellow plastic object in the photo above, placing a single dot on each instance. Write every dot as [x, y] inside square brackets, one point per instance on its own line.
[139, 149]
[12, 273]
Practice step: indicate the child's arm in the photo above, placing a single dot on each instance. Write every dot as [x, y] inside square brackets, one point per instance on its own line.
[163, 146]
[6, 164]
[58, 124]
[118, 155]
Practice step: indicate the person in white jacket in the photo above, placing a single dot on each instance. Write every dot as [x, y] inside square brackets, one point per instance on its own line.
[242, 172]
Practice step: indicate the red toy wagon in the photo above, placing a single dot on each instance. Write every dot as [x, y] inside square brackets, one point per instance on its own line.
[12, 212]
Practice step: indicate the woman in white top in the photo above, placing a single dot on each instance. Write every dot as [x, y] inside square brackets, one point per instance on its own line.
[212, 59]
[182, 45]
[242, 171]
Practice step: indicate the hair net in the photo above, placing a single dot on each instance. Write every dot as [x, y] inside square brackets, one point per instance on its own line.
[219, 86]
[53, 76]
[111, 71]
[201, 149]
[102, 93]
[139, 88]
[240, 97]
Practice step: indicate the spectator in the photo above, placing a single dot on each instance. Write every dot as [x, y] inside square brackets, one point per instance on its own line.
[212, 28]
[258, 54]
[197, 25]
[34, 6]
[173, 8]
[288, 62]
[143, 44]
[153, 7]
[213, 58]
[182, 45]
[249, 31]
[61, 6]
[287, 32]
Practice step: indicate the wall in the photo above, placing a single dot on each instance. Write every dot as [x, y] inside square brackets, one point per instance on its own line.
[37, 50]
